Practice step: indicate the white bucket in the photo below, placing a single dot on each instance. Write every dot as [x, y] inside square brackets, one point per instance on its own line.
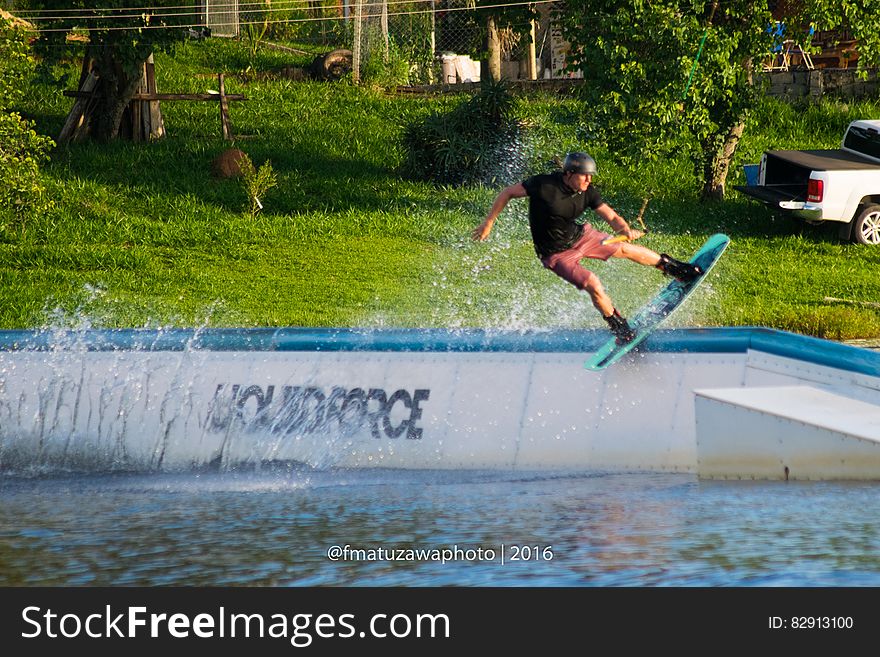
[447, 65]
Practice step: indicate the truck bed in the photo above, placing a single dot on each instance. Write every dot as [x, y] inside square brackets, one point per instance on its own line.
[788, 172]
[825, 160]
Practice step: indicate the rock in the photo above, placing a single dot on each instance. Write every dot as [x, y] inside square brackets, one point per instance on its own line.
[228, 163]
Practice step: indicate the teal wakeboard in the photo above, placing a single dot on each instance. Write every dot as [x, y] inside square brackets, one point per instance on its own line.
[661, 306]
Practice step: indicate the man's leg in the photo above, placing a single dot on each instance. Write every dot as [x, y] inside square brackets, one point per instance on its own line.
[567, 266]
[683, 271]
[616, 322]
[637, 253]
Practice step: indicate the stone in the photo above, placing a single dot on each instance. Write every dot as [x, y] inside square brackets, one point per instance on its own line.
[228, 163]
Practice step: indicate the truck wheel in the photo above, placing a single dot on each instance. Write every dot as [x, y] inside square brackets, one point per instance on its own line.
[866, 227]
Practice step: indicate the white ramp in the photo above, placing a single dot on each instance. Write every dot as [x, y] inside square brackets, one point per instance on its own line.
[787, 432]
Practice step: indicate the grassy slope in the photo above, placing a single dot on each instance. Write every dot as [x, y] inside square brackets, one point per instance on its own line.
[143, 235]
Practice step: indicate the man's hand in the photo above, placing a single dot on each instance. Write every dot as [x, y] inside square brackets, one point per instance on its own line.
[627, 235]
[631, 234]
[481, 232]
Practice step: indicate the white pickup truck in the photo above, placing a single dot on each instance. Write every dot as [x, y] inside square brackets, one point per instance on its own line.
[841, 185]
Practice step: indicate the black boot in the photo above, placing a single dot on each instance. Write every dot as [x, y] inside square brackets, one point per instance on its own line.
[681, 271]
[620, 328]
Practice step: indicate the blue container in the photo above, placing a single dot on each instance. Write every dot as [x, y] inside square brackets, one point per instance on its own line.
[751, 171]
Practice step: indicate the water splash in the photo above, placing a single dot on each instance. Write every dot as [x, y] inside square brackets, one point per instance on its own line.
[79, 398]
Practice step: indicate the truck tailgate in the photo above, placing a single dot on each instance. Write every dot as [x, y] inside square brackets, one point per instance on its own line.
[772, 195]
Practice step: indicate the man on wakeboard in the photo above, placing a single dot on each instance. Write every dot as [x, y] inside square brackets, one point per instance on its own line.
[556, 200]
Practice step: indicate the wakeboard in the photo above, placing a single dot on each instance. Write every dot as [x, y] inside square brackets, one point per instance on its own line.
[649, 316]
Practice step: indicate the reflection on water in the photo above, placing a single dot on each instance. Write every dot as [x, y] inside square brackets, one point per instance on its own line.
[576, 529]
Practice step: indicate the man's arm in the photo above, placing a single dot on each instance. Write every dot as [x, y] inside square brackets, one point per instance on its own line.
[482, 231]
[617, 222]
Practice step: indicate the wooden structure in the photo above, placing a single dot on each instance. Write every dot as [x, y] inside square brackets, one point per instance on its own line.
[840, 55]
[791, 54]
[144, 116]
[142, 120]
[77, 119]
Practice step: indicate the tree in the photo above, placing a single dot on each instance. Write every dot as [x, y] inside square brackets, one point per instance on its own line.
[516, 18]
[114, 41]
[667, 76]
[860, 18]
[670, 76]
[493, 46]
[22, 150]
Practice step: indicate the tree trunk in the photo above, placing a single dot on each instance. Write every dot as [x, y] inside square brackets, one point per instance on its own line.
[494, 48]
[717, 161]
[716, 165]
[113, 94]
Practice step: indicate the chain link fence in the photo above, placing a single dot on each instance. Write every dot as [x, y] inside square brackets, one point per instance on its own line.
[404, 42]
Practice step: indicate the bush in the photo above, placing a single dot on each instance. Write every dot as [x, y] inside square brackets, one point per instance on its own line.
[477, 142]
[256, 182]
[21, 149]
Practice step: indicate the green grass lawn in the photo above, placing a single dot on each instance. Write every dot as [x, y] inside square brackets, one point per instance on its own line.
[144, 235]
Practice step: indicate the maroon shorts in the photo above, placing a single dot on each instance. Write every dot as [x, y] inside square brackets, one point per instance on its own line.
[567, 264]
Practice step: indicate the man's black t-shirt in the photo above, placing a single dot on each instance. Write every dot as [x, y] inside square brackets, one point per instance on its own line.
[553, 208]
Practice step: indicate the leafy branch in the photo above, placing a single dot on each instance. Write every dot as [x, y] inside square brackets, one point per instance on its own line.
[257, 182]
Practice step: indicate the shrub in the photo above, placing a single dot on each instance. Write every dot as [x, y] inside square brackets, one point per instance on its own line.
[22, 150]
[477, 142]
[256, 182]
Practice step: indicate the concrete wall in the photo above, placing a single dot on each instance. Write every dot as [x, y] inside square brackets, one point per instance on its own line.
[822, 82]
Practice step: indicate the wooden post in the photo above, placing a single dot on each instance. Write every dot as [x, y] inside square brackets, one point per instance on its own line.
[76, 117]
[533, 66]
[134, 112]
[433, 40]
[356, 46]
[384, 22]
[224, 109]
[433, 27]
[144, 115]
[157, 125]
[146, 126]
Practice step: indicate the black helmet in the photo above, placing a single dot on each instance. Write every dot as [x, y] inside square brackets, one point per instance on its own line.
[580, 163]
